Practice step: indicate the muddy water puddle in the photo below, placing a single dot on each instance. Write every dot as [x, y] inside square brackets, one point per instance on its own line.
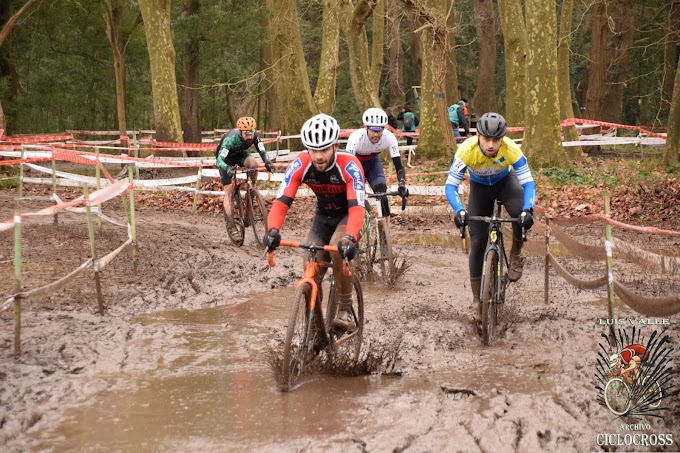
[206, 384]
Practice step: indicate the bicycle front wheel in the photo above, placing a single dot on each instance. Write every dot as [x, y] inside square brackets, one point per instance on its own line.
[386, 256]
[258, 215]
[617, 396]
[298, 347]
[490, 296]
[237, 236]
[347, 344]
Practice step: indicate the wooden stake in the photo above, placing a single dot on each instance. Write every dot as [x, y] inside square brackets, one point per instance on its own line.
[93, 249]
[610, 266]
[17, 284]
[133, 224]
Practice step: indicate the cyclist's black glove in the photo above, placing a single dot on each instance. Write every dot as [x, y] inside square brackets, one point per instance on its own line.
[231, 171]
[460, 219]
[402, 190]
[269, 167]
[526, 219]
[347, 247]
[271, 239]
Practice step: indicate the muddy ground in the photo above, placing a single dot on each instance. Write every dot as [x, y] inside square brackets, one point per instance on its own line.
[533, 390]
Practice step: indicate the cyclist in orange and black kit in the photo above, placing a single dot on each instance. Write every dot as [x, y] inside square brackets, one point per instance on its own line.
[338, 182]
[233, 151]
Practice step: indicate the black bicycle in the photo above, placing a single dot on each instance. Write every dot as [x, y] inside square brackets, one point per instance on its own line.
[249, 209]
[494, 275]
[378, 241]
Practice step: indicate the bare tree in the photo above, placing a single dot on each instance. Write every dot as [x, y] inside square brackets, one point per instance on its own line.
[114, 32]
[485, 95]
[597, 66]
[452, 92]
[617, 72]
[672, 151]
[324, 94]
[354, 31]
[436, 136]
[515, 44]
[191, 120]
[563, 78]
[395, 74]
[156, 16]
[542, 124]
[290, 100]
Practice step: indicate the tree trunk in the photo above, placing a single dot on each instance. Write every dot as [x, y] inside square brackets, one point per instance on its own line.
[618, 67]
[485, 94]
[597, 68]
[114, 25]
[563, 78]
[672, 50]
[542, 144]
[156, 16]
[436, 136]
[291, 103]
[192, 101]
[515, 45]
[452, 90]
[365, 93]
[324, 95]
[415, 48]
[672, 150]
[378, 45]
[395, 76]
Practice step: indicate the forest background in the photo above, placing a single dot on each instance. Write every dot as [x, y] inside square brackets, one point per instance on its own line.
[183, 66]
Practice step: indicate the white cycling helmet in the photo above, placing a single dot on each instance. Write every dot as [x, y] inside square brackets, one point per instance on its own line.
[375, 117]
[319, 132]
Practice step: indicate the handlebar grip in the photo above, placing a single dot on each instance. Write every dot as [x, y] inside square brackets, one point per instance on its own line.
[462, 232]
[270, 258]
[403, 203]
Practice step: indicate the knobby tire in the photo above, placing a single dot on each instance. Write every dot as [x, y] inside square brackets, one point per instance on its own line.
[386, 258]
[351, 348]
[490, 296]
[238, 218]
[258, 215]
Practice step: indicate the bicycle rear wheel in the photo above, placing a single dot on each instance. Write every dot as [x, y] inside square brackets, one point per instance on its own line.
[301, 336]
[490, 296]
[386, 257]
[347, 344]
[238, 219]
[258, 215]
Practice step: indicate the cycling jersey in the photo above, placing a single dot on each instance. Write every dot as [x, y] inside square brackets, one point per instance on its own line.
[359, 145]
[488, 170]
[339, 189]
[232, 143]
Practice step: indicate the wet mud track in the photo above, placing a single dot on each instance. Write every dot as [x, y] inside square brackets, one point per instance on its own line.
[179, 361]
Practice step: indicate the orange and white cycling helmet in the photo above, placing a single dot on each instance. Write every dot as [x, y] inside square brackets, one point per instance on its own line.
[246, 123]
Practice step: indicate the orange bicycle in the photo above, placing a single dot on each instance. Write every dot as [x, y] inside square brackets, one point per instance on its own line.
[307, 334]
[249, 209]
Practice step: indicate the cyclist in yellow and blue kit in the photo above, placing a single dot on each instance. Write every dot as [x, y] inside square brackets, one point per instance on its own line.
[488, 157]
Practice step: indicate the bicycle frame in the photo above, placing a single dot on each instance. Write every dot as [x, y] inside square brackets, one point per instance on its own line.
[492, 297]
[307, 334]
[382, 248]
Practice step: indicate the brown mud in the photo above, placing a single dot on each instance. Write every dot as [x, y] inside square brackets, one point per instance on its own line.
[180, 359]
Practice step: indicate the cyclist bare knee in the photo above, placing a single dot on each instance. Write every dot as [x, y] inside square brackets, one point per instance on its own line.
[488, 158]
[338, 182]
